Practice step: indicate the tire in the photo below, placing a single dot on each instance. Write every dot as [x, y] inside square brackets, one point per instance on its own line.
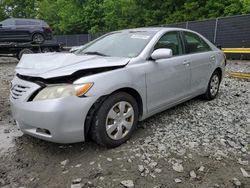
[38, 38]
[108, 117]
[47, 50]
[213, 86]
[24, 51]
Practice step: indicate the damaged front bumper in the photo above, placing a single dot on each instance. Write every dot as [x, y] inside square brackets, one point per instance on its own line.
[57, 120]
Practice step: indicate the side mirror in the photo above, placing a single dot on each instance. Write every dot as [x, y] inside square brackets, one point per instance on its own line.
[162, 53]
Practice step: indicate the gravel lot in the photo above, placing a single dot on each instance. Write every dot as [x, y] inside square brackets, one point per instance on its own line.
[196, 144]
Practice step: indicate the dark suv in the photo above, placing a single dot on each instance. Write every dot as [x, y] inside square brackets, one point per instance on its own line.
[24, 30]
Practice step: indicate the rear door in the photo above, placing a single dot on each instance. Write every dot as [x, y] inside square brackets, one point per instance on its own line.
[168, 80]
[201, 59]
[23, 28]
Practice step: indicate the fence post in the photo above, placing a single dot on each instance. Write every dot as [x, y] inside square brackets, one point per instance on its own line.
[78, 41]
[215, 30]
[66, 40]
[89, 37]
[187, 25]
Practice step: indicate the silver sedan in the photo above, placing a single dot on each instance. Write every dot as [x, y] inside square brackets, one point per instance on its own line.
[102, 90]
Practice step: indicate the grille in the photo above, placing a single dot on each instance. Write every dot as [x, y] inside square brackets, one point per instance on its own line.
[18, 91]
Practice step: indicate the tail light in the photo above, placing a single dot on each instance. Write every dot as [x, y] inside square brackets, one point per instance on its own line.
[47, 29]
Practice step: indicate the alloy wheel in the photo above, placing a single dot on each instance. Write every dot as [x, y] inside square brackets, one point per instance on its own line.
[214, 85]
[120, 120]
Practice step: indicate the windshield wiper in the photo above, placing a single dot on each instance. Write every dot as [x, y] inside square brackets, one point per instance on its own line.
[95, 53]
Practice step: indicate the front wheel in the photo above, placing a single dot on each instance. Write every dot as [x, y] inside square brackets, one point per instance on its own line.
[115, 120]
[213, 86]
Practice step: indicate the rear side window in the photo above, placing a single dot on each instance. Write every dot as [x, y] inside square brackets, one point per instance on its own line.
[34, 23]
[195, 44]
[172, 41]
[20, 22]
[27, 22]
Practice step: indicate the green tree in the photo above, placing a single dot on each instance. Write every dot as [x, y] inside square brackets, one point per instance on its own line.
[92, 16]
[157, 12]
[246, 6]
[199, 10]
[2, 13]
[120, 14]
[20, 8]
[48, 11]
[72, 16]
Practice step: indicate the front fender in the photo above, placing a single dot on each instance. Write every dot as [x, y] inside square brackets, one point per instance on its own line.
[108, 82]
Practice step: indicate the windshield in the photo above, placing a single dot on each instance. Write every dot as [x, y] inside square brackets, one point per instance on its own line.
[119, 44]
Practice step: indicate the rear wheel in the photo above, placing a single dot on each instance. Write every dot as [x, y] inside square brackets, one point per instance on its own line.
[24, 51]
[115, 120]
[38, 38]
[213, 86]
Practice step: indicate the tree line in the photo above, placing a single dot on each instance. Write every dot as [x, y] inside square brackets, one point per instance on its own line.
[95, 16]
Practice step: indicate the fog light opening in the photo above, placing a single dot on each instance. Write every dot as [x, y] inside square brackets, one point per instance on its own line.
[43, 131]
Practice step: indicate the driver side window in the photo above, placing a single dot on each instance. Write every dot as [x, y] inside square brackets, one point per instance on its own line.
[170, 40]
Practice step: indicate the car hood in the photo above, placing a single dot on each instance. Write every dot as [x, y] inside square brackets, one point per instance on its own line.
[49, 65]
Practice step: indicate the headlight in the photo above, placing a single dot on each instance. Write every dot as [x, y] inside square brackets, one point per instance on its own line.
[60, 91]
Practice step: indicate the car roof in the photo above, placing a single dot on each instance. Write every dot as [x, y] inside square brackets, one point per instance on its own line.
[25, 19]
[156, 29]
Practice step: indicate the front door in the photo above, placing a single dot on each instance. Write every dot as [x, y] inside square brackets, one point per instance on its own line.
[168, 80]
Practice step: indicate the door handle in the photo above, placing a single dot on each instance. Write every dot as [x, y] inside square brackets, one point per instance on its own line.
[186, 63]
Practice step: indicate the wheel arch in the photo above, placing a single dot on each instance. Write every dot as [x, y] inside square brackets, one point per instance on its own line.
[134, 93]
[37, 32]
[219, 70]
[91, 113]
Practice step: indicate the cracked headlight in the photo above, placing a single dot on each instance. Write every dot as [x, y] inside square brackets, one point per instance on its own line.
[64, 90]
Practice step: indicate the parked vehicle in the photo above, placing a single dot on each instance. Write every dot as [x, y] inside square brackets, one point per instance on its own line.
[104, 89]
[24, 30]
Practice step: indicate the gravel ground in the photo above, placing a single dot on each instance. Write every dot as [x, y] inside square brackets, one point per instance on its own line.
[196, 144]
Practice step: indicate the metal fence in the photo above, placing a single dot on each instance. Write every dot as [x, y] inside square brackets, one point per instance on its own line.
[73, 40]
